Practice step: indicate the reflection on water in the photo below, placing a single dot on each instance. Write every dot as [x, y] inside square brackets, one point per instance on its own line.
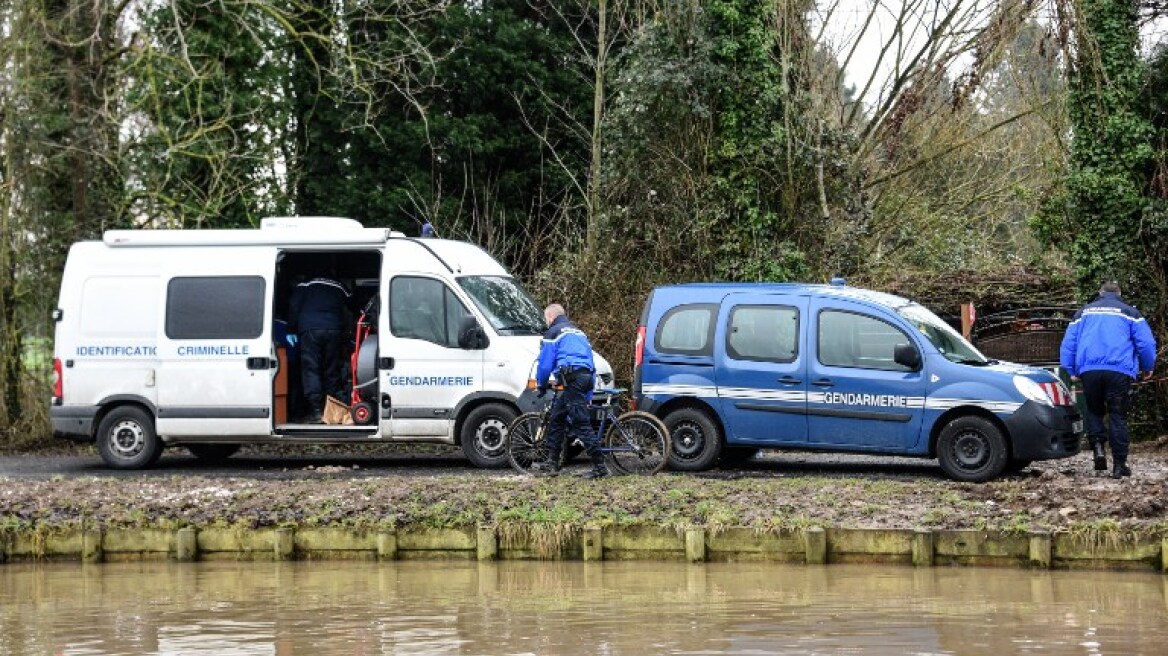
[573, 608]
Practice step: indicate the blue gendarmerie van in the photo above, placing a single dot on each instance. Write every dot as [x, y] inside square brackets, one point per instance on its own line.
[735, 367]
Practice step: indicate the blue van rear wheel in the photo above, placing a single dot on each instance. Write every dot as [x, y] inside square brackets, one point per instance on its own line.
[695, 440]
[972, 449]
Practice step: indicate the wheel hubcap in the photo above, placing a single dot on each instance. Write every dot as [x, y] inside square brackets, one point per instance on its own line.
[970, 450]
[491, 436]
[127, 439]
[687, 440]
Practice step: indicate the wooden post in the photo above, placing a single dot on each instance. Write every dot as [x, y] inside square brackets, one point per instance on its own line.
[922, 547]
[487, 542]
[284, 543]
[186, 544]
[968, 316]
[695, 544]
[815, 543]
[387, 545]
[593, 543]
[1041, 548]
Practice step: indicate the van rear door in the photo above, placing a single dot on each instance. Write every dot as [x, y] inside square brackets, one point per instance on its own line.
[858, 396]
[761, 368]
[217, 361]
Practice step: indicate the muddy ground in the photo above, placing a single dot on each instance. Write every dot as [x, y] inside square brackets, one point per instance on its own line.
[778, 490]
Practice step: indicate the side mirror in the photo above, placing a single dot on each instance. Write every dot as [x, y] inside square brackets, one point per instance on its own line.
[471, 335]
[907, 355]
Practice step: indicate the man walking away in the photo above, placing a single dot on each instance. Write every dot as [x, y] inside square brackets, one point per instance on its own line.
[565, 351]
[1107, 346]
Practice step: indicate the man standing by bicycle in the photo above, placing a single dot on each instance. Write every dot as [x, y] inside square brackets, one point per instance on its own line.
[566, 352]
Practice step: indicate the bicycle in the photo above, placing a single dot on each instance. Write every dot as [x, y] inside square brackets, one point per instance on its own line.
[634, 442]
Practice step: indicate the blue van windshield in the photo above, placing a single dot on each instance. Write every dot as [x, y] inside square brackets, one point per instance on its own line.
[505, 304]
[948, 341]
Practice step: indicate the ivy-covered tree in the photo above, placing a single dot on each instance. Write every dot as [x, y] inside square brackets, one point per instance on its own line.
[1098, 220]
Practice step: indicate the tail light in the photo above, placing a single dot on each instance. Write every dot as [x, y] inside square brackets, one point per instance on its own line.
[640, 347]
[58, 381]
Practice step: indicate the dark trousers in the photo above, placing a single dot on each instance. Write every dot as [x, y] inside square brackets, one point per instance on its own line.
[320, 366]
[1108, 393]
[569, 415]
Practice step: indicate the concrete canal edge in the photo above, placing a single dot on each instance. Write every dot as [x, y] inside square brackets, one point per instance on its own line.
[695, 544]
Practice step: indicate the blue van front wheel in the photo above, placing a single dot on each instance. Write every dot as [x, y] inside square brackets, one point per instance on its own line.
[695, 440]
[972, 449]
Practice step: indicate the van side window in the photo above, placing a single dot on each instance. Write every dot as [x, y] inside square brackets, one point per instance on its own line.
[854, 340]
[215, 307]
[424, 308]
[763, 332]
[687, 330]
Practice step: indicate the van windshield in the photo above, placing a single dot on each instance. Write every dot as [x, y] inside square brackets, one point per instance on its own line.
[948, 341]
[505, 304]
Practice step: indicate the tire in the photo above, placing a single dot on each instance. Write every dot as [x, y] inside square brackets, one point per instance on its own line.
[638, 443]
[736, 456]
[362, 413]
[212, 452]
[484, 435]
[126, 439]
[972, 449]
[695, 442]
[525, 443]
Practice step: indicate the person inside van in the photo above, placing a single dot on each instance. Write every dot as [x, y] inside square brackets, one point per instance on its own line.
[316, 315]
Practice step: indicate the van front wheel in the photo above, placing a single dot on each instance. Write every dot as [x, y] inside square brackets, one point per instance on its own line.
[695, 441]
[484, 435]
[972, 449]
[126, 439]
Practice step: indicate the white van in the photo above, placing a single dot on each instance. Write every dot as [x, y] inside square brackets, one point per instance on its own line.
[172, 337]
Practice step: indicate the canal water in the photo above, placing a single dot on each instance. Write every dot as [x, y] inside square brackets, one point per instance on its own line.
[612, 608]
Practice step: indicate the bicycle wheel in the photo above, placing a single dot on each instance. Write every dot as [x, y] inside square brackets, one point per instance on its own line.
[525, 443]
[637, 443]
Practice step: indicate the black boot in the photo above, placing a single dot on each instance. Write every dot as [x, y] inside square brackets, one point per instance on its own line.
[1100, 456]
[1121, 469]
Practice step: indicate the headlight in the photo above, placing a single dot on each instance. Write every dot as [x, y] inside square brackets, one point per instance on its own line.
[1032, 391]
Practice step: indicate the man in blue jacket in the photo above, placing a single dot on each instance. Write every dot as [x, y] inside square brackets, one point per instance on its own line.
[316, 315]
[1107, 346]
[566, 353]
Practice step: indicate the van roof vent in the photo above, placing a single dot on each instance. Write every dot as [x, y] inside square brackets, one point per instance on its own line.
[310, 222]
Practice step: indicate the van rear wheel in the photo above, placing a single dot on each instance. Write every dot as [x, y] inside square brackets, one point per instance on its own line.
[484, 435]
[695, 440]
[126, 439]
[972, 449]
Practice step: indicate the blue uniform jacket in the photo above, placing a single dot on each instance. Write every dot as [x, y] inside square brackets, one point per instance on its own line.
[563, 345]
[1111, 335]
[318, 304]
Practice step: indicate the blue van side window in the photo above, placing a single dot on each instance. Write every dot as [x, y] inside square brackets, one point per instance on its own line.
[687, 330]
[763, 332]
[858, 341]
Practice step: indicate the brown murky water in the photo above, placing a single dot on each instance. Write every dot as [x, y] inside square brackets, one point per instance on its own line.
[358, 608]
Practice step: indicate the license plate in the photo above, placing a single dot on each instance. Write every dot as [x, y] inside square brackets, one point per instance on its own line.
[1077, 427]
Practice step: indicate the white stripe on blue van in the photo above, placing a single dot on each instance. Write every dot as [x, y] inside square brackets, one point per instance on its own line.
[822, 398]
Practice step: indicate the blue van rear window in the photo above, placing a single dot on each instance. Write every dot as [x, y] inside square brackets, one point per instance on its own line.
[687, 330]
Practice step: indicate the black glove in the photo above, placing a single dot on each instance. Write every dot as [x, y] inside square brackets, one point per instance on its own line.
[540, 391]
